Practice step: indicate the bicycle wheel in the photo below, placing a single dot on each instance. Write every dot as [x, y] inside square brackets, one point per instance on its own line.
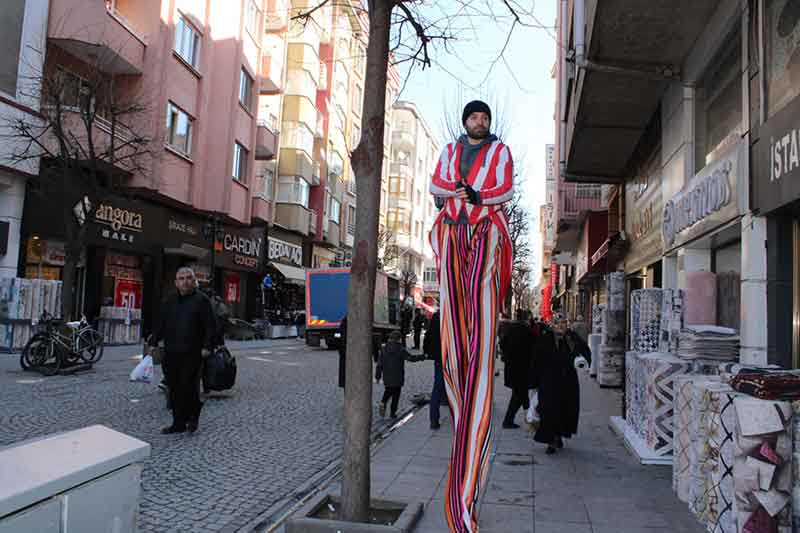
[90, 345]
[36, 352]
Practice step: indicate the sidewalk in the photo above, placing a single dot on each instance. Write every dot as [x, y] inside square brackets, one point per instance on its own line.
[592, 486]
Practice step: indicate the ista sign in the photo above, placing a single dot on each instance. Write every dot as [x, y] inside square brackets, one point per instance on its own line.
[778, 169]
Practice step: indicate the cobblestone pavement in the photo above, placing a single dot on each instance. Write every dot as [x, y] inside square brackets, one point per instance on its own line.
[278, 427]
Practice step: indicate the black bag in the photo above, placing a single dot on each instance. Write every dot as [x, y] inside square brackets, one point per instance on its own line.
[219, 372]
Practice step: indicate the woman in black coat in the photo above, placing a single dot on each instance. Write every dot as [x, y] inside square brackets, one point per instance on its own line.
[559, 390]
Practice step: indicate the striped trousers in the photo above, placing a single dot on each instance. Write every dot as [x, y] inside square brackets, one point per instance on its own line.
[469, 289]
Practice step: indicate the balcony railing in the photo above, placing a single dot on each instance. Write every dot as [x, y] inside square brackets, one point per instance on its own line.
[351, 185]
[266, 141]
[574, 198]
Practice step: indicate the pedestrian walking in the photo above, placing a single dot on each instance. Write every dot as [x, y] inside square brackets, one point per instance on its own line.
[432, 347]
[470, 239]
[516, 345]
[559, 390]
[187, 327]
[405, 324]
[419, 322]
[391, 368]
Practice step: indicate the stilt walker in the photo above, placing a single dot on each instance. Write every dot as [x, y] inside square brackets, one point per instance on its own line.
[472, 181]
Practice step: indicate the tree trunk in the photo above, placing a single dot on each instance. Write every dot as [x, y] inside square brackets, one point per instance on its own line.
[367, 163]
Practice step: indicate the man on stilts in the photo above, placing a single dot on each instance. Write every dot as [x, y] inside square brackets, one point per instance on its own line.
[474, 178]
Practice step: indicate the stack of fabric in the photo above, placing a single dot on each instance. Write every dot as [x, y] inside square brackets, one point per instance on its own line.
[671, 320]
[708, 342]
[683, 436]
[699, 457]
[597, 318]
[720, 498]
[646, 307]
[611, 358]
[763, 461]
[660, 372]
[767, 384]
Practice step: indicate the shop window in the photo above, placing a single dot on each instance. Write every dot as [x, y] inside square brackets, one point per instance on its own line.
[11, 20]
[782, 52]
[179, 129]
[718, 112]
[293, 190]
[245, 89]
[187, 42]
[239, 162]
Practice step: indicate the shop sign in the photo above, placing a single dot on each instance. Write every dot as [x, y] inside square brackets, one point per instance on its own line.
[708, 201]
[283, 251]
[643, 208]
[121, 224]
[777, 180]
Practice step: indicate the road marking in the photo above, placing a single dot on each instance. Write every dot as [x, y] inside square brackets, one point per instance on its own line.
[135, 400]
[30, 381]
[265, 353]
[264, 359]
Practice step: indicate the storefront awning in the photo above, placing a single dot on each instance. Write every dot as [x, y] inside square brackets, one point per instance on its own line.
[292, 274]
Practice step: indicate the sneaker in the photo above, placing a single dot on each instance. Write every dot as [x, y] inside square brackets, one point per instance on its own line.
[435, 425]
[172, 429]
[382, 409]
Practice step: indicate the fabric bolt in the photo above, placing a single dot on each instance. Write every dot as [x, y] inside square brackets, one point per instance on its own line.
[768, 385]
[721, 499]
[660, 371]
[699, 451]
[671, 320]
[469, 261]
[646, 308]
[682, 439]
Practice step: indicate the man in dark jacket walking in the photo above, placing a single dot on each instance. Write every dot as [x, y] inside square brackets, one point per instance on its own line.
[187, 327]
[419, 321]
[391, 366]
[432, 347]
[516, 343]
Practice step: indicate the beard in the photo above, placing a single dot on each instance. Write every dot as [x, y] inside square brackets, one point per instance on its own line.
[478, 133]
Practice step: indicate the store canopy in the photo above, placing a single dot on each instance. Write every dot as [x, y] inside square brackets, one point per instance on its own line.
[292, 274]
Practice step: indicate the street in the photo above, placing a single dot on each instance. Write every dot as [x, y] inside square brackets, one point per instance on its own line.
[279, 427]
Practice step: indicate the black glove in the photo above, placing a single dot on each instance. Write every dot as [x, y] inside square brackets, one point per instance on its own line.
[472, 195]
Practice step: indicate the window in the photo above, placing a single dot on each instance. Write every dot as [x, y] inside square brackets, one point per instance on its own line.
[718, 113]
[267, 178]
[293, 190]
[430, 275]
[358, 60]
[782, 44]
[179, 129]
[334, 209]
[11, 20]
[187, 42]
[253, 18]
[335, 165]
[245, 89]
[355, 136]
[351, 219]
[239, 162]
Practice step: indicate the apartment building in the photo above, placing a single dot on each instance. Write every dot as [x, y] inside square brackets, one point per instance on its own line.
[24, 29]
[411, 212]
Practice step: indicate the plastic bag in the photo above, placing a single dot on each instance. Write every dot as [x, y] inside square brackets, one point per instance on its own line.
[581, 362]
[532, 417]
[144, 370]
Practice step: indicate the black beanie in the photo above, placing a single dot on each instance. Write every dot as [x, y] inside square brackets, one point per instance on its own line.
[475, 106]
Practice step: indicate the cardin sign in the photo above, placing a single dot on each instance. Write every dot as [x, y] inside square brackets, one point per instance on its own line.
[709, 200]
[777, 170]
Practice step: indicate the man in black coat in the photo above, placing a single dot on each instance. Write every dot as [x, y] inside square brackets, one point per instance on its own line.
[187, 327]
[516, 343]
[432, 347]
[419, 321]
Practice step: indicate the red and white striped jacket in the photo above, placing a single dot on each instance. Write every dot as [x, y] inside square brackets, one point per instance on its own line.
[492, 175]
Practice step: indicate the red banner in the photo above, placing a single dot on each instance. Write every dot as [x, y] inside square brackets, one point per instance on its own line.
[128, 293]
[232, 291]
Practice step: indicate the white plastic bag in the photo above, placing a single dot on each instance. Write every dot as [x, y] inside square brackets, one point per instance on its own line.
[581, 362]
[532, 417]
[144, 370]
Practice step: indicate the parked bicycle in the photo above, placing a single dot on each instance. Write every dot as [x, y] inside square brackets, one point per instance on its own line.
[54, 347]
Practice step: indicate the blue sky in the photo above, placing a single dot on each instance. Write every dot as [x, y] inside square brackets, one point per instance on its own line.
[521, 85]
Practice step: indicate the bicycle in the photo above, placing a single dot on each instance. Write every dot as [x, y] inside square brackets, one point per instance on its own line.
[48, 350]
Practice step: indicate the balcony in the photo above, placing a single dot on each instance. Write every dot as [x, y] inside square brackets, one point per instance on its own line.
[298, 136]
[403, 139]
[332, 235]
[399, 201]
[277, 18]
[305, 35]
[319, 130]
[629, 51]
[402, 170]
[315, 175]
[312, 223]
[272, 64]
[300, 82]
[293, 217]
[575, 198]
[266, 142]
[262, 209]
[295, 163]
[351, 185]
[98, 33]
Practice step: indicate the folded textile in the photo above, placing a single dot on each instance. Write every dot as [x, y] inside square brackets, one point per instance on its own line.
[768, 385]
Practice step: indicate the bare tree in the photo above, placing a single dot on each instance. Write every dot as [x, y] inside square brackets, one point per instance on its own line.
[85, 137]
[402, 30]
[408, 280]
[451, 125]
[519, 233]
[388, 251]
